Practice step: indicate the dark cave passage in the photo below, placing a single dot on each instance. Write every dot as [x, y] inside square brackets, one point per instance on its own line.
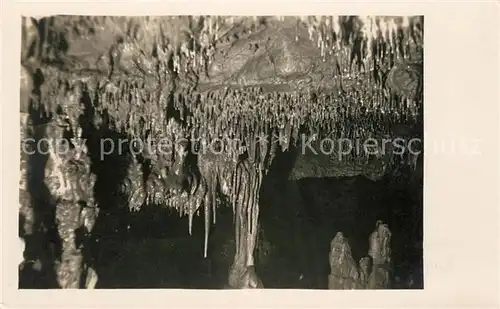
[314, 210]
[299, 218]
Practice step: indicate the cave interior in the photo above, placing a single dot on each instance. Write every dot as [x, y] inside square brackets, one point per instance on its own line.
[140, 219]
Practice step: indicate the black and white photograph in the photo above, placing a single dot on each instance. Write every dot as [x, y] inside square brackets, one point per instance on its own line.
[221, 152]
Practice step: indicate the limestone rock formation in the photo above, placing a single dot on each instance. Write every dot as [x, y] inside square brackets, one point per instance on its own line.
[344, 272]
[380, 252]
[238, 89]
[372, 272]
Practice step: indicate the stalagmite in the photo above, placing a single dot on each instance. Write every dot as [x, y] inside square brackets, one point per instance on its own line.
[365, 268]
[380, 252]
[343, 270]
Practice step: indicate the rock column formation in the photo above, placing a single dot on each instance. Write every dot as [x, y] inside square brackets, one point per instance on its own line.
[372, 271]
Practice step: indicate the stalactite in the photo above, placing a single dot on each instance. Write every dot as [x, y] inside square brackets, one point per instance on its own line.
[237, 224]
[236, 188]
[249, 205]
[213, 193]
[251, 146]
[244, 195]
[255, 210]
[207, 207]
[255, 192]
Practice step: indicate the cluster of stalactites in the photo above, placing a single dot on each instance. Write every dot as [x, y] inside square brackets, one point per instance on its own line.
[237, 121]
[136, 109]
[333, 34]
[240, 182]
[361, 39]
[234, 121]
[197, 51]
[220, 175]
[60, 97]
[133, 108]
[262, 121]
[189, 48]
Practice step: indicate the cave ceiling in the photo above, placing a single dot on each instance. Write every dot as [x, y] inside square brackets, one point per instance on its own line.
[240, 77]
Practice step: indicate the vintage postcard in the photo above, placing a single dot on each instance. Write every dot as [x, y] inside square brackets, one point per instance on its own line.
[256, 154]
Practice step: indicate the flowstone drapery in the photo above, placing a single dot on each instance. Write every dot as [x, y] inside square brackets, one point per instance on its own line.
[234, 90]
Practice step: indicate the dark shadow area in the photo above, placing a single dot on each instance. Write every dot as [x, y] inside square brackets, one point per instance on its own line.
[42, 245]
[300, 218]
[315, 209]
[150, 248]
[111, 172]
[158, 252]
